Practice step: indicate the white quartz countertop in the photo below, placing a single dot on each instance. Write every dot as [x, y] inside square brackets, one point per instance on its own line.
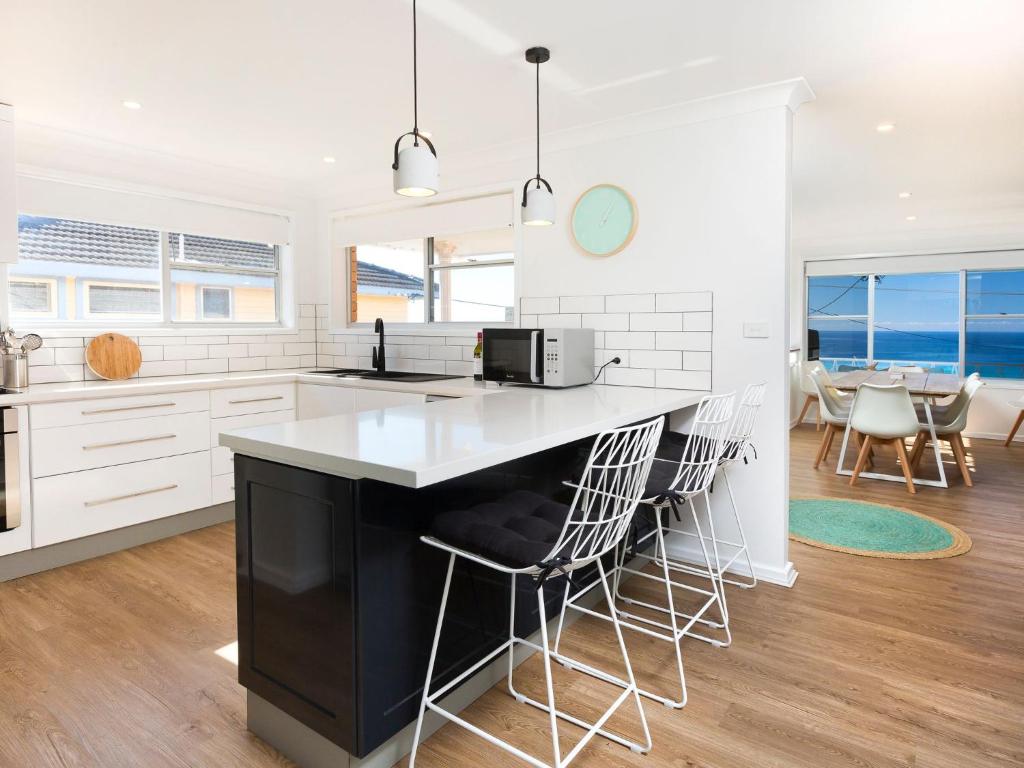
[82, 390]
[418, 445]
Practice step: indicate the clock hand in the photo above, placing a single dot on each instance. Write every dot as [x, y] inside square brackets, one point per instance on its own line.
[607, 213]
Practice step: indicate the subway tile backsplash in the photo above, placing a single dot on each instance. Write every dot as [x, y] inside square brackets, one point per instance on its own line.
[167, 352]
[662, 339]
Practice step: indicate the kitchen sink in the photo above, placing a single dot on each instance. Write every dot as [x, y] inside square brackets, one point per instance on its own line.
[363, 373]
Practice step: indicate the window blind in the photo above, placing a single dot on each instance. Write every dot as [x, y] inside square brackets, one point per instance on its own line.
[39, 196]
[469, 215]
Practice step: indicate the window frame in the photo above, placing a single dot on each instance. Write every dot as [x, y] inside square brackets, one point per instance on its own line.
[962, 320]
[50, 282]
[92, 322]
[90, 316]
[429, 325]
[201, 299]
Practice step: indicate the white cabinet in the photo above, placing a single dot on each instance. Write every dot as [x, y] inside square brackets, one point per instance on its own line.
[371, 399]
[84, 503]
[237, 401]
[8, 185]
[58, 450]
[106, 409]
[318, 400]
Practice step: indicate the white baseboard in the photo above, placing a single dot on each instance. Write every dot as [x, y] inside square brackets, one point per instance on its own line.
[784, 576]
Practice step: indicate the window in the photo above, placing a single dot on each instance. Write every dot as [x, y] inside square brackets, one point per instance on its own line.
[75, 271]
[994, 324]
[969, 321]
[917, 319]
[471, 278]
[837, 308]
[222, 280]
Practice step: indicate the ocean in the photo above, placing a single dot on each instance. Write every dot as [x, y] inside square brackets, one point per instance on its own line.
[994, 354]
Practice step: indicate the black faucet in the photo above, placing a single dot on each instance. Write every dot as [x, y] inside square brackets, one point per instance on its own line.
[378, 351]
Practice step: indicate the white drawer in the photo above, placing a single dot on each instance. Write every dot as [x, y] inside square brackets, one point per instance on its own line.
[84, 503]
[103, 409]
[371, 399]
[257, 399]
[221, 458]
[88, 446]
[223, 489]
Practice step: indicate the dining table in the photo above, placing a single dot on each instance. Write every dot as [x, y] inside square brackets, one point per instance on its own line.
[926, 387]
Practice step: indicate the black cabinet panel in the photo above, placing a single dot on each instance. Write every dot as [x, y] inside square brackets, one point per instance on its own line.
[295, 610]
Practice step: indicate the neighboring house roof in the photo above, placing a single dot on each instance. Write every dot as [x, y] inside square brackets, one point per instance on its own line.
[82, 242]
[89, 243]
[393, 281]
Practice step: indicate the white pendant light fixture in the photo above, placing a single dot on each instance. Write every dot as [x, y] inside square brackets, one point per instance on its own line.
[539, 202]
[415, 167]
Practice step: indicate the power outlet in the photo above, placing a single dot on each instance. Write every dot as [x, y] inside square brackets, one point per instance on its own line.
[755, 330]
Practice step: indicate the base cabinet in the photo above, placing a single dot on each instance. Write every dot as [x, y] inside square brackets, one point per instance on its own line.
[85, 503]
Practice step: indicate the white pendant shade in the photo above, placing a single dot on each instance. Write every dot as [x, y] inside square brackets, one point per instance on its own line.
[417, 174]
[539, 210]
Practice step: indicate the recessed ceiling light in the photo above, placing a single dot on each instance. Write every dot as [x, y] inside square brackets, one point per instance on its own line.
[129, 104]
[911, 218]
[904, 195]
[885, 127]
[329, 159]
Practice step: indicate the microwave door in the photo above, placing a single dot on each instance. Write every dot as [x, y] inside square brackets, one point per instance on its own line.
[535, 364]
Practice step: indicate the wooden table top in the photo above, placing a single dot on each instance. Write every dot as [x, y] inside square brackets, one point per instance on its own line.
[935, 384]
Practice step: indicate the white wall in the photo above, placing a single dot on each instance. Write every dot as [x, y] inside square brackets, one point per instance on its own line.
[713, 200]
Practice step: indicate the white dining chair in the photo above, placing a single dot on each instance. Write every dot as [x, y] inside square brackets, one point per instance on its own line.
[950, 423]
[809, 390]
[835, 410]
[884, 415]
[1017, 423]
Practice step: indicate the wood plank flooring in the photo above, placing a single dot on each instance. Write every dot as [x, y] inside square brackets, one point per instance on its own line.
[864, 662]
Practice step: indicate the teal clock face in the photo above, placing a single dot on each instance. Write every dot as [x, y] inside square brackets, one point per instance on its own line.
[604, 220]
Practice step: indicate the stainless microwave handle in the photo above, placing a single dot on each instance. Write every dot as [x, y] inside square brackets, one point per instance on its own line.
[12, 478]
[534, 347]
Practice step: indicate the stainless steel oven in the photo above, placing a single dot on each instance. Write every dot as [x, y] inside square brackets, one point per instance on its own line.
[543, 357]
[10, 472]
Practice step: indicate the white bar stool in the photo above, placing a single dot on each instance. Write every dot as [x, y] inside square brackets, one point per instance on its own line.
[546, 538]
[673, 484]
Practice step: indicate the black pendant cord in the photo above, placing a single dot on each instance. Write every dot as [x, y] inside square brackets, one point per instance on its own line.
[538, 124]
[415, 86]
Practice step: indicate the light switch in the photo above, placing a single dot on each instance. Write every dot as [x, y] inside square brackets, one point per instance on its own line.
[755, 330]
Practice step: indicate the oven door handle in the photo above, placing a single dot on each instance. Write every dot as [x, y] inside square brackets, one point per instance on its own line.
[534, 355]
[12, 479]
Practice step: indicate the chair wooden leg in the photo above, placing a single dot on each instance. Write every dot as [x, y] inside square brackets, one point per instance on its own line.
[831, 438]
[862, 458]
[807, 404]
[823, 448]
[908, 474]
[956, 440]
[817, 418]
[1016, 426]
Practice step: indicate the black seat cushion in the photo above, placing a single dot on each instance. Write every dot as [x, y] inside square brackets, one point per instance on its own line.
[517, 530]
[670, 453]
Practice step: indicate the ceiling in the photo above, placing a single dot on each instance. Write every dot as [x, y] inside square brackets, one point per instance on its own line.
[273, 87]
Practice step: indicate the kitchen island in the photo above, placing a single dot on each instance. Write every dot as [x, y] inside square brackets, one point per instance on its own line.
[337, 597]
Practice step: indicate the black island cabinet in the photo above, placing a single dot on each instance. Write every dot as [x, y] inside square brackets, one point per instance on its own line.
[338, 597]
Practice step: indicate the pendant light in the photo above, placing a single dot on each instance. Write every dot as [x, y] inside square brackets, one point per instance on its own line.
[415, 167]
[539, 202]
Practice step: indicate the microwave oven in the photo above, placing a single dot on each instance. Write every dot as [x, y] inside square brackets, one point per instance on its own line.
[542, 357]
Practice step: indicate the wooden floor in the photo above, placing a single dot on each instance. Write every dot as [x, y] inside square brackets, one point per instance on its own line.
[865, 662]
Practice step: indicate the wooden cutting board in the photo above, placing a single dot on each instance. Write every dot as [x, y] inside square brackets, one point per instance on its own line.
[113, 356]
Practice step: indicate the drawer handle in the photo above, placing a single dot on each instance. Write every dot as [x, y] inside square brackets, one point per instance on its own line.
[112, 499]
[255, 400]
[94, 446]
[127, 408]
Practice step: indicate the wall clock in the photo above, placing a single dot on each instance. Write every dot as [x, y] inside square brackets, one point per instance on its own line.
[604, 220]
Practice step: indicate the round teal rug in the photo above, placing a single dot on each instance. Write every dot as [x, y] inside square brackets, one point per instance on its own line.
[873, 530]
